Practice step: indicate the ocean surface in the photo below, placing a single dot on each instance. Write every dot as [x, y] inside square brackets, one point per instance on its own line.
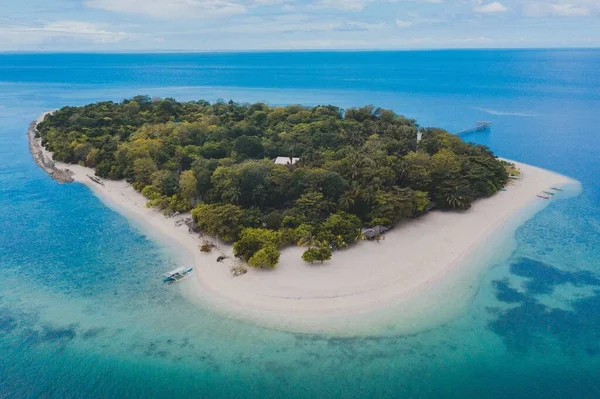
[83, 313]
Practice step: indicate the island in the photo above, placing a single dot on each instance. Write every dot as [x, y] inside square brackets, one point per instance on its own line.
[314, 212]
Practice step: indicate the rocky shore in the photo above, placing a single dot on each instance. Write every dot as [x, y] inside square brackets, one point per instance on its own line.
[43, 157]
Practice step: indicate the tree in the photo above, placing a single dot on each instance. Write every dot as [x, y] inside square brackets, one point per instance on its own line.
[339, 230]
[203, 171]
[249, 146]
[254, 239]
[417, 167]
[391, 206]
[312, 205]
[421, 201]
[225, 221]
[187, 186]
[320, 253]
[305, 236]
[143, 168]
[266, 257]
[166, 181]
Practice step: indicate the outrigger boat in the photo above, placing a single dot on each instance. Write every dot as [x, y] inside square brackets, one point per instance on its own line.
[96, 180]
[544, 197]
[556, 189]
[177, 275]
[548, 192]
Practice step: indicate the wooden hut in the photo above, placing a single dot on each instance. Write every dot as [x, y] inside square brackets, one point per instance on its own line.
[374, 232]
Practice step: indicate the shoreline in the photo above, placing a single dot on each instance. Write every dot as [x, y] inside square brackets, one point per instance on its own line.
[43, 157]
[422, 274]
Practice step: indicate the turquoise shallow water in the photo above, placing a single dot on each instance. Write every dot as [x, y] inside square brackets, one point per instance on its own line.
[83, 314]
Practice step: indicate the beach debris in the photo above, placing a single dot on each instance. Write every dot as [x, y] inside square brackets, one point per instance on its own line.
[207, 247]
[238, 270]
[221, 258]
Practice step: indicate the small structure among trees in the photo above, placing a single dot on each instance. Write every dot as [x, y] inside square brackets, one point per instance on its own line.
[374, 232]
[286, 161]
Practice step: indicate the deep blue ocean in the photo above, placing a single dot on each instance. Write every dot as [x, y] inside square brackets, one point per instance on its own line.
[83, 313]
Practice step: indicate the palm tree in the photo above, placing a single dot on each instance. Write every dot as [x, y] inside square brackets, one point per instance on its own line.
[455, 201]
[308, 240]
[234, 196]
[346, 202]
[360, 235]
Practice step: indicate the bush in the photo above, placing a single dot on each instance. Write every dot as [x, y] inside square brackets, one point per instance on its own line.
[265, 258]
[206, 246]
[320, 253]
[238, 270]
[252, 240]
[339, 230]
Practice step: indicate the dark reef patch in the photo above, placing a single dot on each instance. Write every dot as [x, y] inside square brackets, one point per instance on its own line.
[532, 325]
[93, 332]
[507, 294]
[7, 323]
[59, 334]
[543, 278]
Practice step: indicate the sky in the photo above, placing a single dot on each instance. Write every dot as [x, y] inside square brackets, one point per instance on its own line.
[229, 25]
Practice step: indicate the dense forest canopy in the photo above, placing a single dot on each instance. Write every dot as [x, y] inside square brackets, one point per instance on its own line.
[358, 167]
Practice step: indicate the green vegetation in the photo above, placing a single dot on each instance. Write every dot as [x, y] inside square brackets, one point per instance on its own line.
[358, 167]
[321, 252]
[511, 169]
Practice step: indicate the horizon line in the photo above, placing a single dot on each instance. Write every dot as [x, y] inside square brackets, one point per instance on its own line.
[242, 51]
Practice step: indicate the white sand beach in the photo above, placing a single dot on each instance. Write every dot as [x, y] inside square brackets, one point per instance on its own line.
[424, 273]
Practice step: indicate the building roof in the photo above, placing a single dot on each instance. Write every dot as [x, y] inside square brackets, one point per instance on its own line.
[286, 160]
[374, 231]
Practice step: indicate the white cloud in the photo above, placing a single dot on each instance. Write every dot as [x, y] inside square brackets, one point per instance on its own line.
[414, 19]
[168, 9]
[359, 5]
[495, 7]
[348, 5]
[72, 30]
[565, 9]
[403, 24]
[296, 23]
[83, 30]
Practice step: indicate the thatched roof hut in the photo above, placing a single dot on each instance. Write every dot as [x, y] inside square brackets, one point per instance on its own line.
[374, 232]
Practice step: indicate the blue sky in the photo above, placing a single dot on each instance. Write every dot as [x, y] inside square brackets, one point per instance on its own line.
[141, 25]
